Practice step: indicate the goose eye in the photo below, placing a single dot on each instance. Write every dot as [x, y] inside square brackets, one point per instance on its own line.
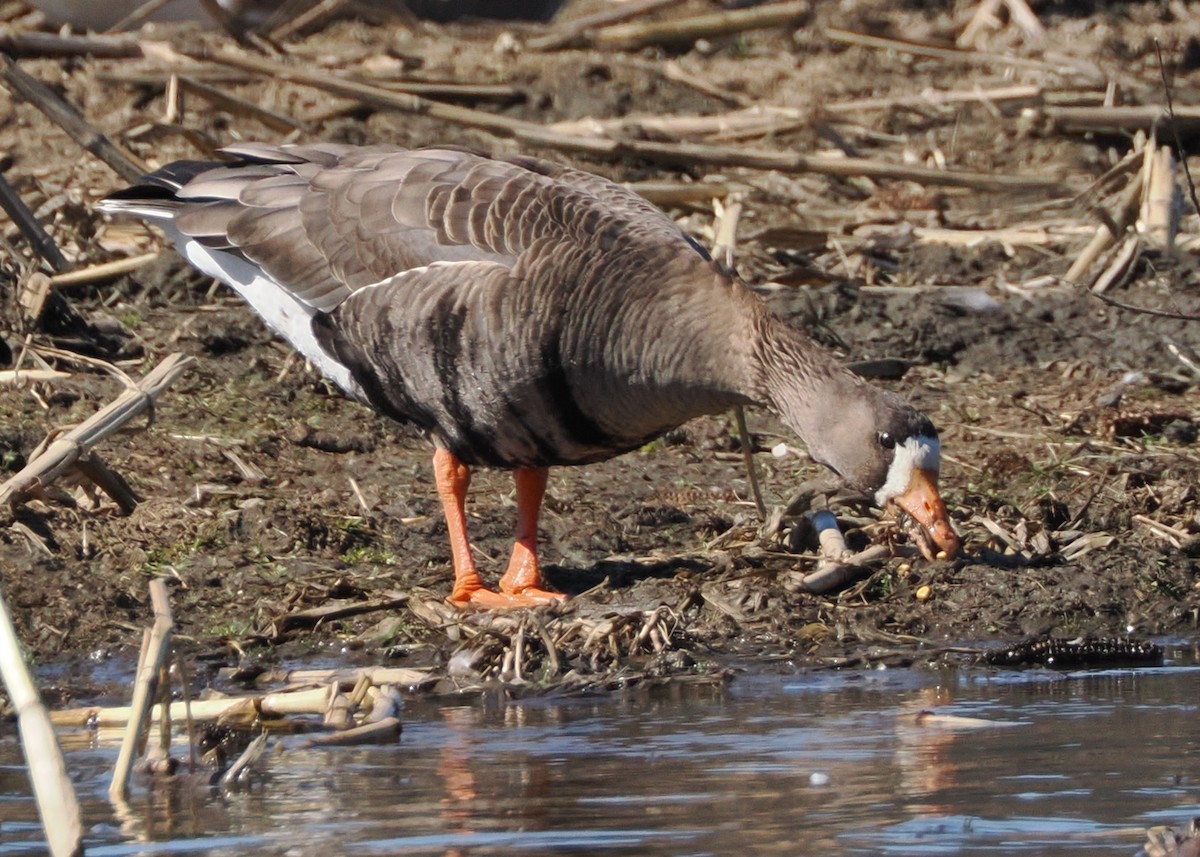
[886, 440]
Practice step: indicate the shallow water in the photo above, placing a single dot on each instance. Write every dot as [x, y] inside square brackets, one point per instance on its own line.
[1016, 763]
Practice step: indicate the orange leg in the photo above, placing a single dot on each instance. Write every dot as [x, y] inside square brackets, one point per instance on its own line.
[524, 576]
[520, 586]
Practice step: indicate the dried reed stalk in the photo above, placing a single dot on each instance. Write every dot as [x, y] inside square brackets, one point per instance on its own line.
[27, 224]
[682, 30]
[693, 154]
[66, 452]
[577, 32]
[156, 651]
[52, 789]
[103, 271]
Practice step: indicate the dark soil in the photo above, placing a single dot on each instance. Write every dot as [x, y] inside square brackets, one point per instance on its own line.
[1068, 424]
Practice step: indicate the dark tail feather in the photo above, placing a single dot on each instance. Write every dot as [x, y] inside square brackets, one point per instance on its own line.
[163, 183]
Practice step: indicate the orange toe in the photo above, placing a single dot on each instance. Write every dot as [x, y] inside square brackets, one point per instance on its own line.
[486, 599]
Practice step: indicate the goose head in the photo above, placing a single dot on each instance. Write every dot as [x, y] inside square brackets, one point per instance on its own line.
[880, 444]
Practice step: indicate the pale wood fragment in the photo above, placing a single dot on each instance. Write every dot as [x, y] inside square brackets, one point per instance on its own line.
[52, 788]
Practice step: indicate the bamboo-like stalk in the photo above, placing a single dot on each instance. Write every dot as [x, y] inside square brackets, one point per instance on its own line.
[313, 701]
[66, 451]
[143, 691]
[52, 789]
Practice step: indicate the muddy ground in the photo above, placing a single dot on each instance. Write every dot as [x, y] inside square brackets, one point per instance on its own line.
[1068, 424]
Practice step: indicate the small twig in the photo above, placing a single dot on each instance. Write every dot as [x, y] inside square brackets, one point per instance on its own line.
[52, 789]
[1158, 313]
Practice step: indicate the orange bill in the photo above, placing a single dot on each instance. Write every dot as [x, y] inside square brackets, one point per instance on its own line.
[922, 501]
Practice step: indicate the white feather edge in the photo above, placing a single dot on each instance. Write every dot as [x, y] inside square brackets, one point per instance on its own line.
[282, 311]
[916, 453]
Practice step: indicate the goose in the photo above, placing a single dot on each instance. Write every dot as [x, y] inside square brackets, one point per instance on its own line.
[524, 315]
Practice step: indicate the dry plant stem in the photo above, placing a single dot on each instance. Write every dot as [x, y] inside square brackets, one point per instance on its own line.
[27, 224]
[329, 612]
[109, 481]
[666, 194]
[66, 451]
[1025, 18]
[1179, 149]
[52, 789]
[984, 18]
[67, 117]
[939, 97]
[1087, 120]
[1159, 313]
[1158, 222]
[672, 153]
[250, 755]
[309, 701]
[1120, 266]
[314, 15]
[144, 689]
[135, 17]
[103, 271]
[918, 49]
[1105, 235]
[30, 376]
[574, 33]
[682, 30]
[219, 98]
[34, 44]
[693, 154]
[374, 96]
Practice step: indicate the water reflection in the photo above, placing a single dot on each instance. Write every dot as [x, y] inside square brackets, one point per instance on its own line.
[799, 764]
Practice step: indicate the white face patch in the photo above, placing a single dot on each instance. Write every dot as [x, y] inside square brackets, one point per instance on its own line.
[916, 453]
